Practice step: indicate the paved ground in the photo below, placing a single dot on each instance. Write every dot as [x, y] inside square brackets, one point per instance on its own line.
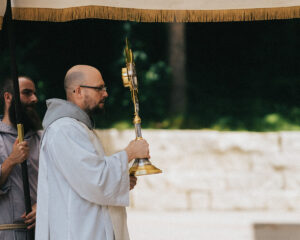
[214, 225]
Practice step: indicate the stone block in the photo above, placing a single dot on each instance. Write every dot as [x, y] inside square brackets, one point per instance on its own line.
[215, 170]
[199, 200]
[276, 231]
[290, 141]
[263, 180]
[272, 200]
[168, 200]
[292, 180]
[237, 200]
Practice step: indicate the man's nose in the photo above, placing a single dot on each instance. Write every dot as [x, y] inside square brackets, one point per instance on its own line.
[105, 94]
[33, 98]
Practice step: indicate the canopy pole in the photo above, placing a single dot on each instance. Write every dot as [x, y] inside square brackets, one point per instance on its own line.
[14, 75]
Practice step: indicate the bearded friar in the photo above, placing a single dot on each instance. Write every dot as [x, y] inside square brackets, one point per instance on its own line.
[14, 222]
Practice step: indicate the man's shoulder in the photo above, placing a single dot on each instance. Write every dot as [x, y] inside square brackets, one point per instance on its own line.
[65, 124]
[65, 128]
[6, 135]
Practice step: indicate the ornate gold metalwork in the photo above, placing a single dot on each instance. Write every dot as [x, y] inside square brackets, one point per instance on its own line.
[141, 166]
[137, 119]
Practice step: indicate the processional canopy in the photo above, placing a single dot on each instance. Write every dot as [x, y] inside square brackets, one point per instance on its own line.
[153, 10]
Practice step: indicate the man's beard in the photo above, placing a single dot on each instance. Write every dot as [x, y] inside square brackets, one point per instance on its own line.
[94, 110]
[29, 117]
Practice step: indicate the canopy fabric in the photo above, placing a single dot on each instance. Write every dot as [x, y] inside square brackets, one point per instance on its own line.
[153, 10]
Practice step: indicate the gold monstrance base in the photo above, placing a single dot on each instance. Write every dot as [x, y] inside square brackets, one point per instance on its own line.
[142, 167]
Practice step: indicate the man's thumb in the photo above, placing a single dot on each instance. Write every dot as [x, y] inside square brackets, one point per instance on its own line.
[17, 141]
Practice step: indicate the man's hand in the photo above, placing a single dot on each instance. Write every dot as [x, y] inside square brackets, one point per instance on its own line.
[19, 152]
[137, 149]
[18, 155]
[29, 219]
[133, 180]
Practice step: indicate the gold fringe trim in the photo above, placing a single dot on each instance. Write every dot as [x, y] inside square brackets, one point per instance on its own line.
[144, 15]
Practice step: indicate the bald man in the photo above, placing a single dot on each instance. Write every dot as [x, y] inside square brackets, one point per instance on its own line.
[82, 194]
[14, 224]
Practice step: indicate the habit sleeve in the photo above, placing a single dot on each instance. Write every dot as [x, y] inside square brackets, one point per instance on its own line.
[96, 178]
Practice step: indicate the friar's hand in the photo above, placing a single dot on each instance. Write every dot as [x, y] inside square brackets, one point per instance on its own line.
[29, 219]
[137, 149]
[19, 152]
[133, 180]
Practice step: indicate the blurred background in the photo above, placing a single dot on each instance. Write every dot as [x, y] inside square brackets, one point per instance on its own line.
[223, 76]
[220, 107]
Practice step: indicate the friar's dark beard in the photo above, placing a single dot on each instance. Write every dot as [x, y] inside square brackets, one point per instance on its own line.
[95, 111]
[30, 118]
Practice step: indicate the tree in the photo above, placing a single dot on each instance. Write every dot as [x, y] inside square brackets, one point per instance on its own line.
[177, 60]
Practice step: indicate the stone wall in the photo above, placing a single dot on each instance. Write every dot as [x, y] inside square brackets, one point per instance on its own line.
[210, 170]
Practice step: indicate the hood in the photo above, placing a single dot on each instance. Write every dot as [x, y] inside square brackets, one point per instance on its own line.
[7, 129]
[59, 108]
[4, 128]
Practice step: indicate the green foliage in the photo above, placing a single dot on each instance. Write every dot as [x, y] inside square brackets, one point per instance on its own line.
[121, 125]
[271, 122]
[240, 76]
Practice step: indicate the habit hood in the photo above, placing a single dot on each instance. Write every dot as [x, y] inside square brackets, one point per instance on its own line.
[59, 108]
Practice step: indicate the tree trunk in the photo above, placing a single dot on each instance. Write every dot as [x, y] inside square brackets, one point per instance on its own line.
[177, 62]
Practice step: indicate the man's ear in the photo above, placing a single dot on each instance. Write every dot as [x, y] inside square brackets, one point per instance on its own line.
[7, 97]
[78, 91]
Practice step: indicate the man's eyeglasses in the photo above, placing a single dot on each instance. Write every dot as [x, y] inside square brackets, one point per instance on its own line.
[100, 89]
